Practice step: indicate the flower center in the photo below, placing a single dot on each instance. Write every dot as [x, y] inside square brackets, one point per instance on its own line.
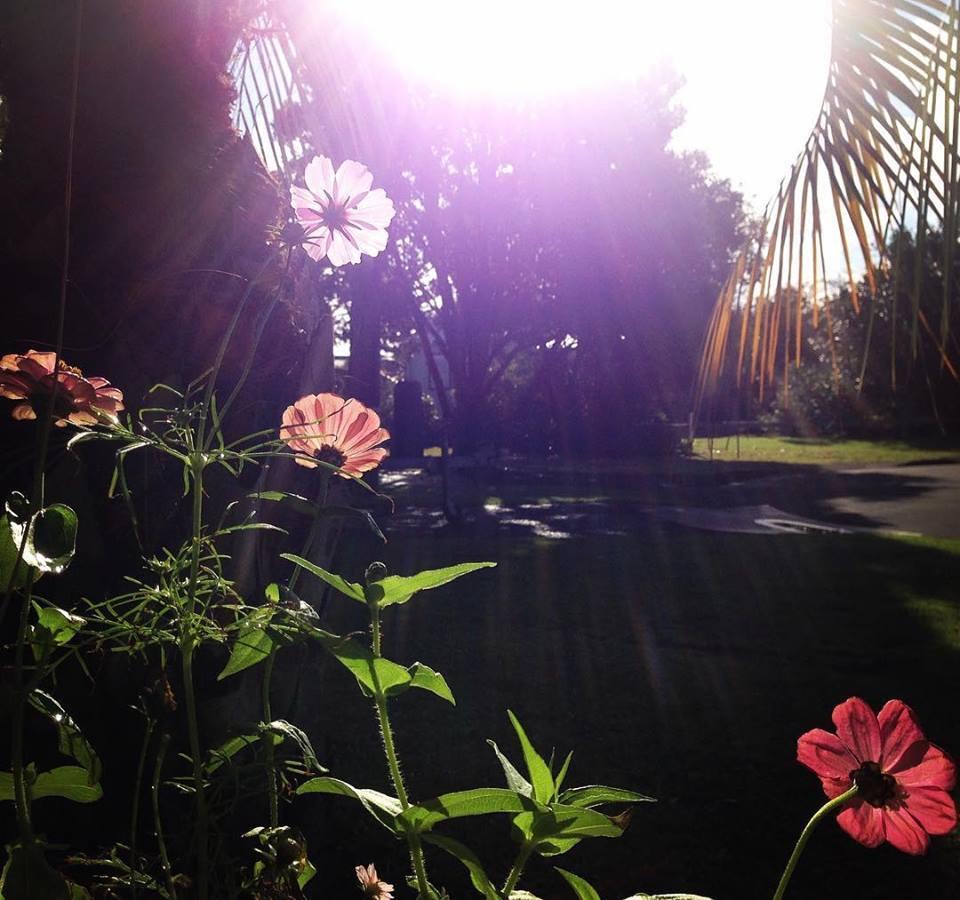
[335, 217]
[874, 786]
[331, 455]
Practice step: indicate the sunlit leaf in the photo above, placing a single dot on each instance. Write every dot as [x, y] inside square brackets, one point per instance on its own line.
[71, 741]
[396, 589]
[459, 804]
[51, 536]
[382, 807]
[596, 794]
[515, 781]
[478, 876]
[426, 679]
[582, 888]
[537, 770]
[348, 588]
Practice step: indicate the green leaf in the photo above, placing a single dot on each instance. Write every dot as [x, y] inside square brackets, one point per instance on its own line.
[478, 876]
[362, 664]
[231, 747]
[459, 804]
[426, 679]
[252, 646]
[51, 537]
[348, 588]
[60, 624]
[583, 889]
[515, 781]
[538, 771]
[400, 588]
[71, 741]
[595, 794]
[562, 775]
[285, 731]
[382, 807]
[27, 876]
[70, 782]
[8, 559]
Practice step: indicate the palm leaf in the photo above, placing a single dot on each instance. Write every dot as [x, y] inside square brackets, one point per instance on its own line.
[881, 159]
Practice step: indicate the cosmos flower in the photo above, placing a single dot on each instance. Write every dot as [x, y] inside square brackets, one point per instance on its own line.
[371, 885]
[902, 778]
[80, 400]
[341, 217]
[340, 432]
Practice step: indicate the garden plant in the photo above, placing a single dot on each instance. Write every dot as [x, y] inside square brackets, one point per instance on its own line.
[884, 781]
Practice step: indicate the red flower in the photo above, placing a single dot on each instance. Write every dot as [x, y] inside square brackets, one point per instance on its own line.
[79, 400]
[341, 432]
[902, 778]
[371, 885]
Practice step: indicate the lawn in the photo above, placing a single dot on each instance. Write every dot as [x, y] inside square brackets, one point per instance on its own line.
[822, 451]
[676, 663]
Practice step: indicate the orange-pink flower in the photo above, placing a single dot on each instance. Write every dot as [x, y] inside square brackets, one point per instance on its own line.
[371, 885]
[330, 429]
[902, 778]
[29, 377]
[341, 217]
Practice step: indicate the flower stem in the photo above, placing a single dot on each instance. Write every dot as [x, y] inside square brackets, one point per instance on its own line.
[197, 463]
[393, 764]
[815, 820]
[273, 799]
[518, 865]
[157, 820]
[135, 805]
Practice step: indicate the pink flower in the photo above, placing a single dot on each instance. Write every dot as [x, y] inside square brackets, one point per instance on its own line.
[81, 401]
[341, 432]
[371, 884]
[341, 217]
[902, 778]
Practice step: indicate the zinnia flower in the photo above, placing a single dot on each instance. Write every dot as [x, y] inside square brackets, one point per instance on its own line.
[371, 885]
[341, 432]
[902, 778]
[341, 217]
[81, 401]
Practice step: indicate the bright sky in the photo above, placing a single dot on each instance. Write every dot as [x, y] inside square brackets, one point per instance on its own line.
[754, 69]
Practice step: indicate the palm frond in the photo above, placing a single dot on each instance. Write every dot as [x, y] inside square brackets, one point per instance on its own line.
[881, 160]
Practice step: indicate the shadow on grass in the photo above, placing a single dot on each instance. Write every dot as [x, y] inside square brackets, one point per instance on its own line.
[679, 664]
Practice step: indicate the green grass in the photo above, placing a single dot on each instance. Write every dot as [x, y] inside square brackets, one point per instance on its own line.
[822, 450]
[677, 663]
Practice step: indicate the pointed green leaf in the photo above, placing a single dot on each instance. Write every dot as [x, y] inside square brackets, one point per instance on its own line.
[252, 646]
[396, 589]
[362, 664]
[478, 877]
[426, 679]
[538, 771]
[583, 889]
[60, 624]
[71, 741]
[515, 781]
[348, 588]
[70, 782]
[562, 775]
[459, 804]
[382, 807]
[596, 794]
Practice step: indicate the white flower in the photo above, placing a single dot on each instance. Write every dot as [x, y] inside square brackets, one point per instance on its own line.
[341, 217]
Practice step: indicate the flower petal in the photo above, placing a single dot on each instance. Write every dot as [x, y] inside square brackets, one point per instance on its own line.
[320, 177]
[858, 728]
[932, 768]
[317, 243]
[933, 808]
[376, 210]
[826, 755]
[904, 832]
[899, 731]
[353, 178]
[341, 251]
[23, 411]
[863, 822]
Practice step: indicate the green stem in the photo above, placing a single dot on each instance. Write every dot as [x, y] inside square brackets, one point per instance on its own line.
[157, 820]
[274, 800]
[393, 763]
[815, 820]
[135, 805]
[518, 866]
[197, 462]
